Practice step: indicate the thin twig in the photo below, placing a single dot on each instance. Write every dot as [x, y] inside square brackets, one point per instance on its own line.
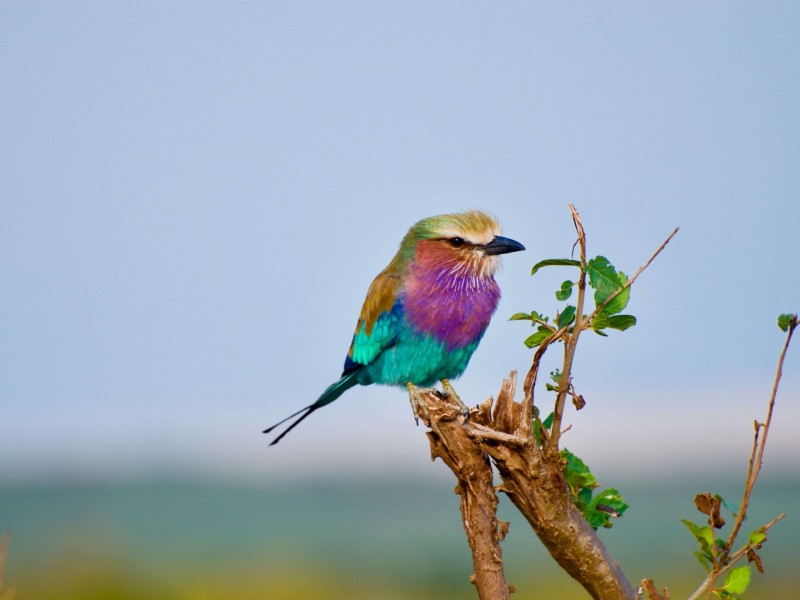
[735, 556]
[652, 593]
[571, 341]
[707, 585]
[727, 559]
[755, 465]
[638, 272]
[530, 378]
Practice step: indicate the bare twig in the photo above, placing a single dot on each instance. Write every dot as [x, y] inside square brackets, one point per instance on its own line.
[530, 379]
[741, 552]
[727, 558]
[757, 456]
[570, 343]
[652, 592]
[638, 272]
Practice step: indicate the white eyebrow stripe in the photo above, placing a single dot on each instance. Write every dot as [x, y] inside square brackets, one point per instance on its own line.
[479, 239]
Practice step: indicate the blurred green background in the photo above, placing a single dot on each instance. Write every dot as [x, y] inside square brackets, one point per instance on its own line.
[351, 538]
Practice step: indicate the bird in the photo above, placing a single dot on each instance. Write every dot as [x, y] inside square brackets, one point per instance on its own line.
[426, 312]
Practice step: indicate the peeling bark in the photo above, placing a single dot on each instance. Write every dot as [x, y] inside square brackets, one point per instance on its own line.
[533, 481]
[470, 464]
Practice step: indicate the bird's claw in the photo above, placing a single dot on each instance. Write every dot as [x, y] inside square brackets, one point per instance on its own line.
[418, 405]
[449, 391]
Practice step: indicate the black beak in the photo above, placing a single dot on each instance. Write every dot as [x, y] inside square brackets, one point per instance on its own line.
[502, 245]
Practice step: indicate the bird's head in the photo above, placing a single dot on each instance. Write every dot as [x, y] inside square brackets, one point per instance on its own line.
[469, 242]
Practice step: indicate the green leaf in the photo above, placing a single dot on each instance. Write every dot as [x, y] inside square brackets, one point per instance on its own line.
[596, 519]
[520, 317]
[621, 322]
[737, 580]
[565, 291]
[538, 425]
[703, 560]
[576, 472]
[598, 510]
[555, 262]
[703, 535]
[785, 321]
[602, 320]
[599, 323]
[566, 317]
[555, 376]
[584, 497]
[757, 537]
[610, 502]
[605, 280]
[537, 338]
[537, 432]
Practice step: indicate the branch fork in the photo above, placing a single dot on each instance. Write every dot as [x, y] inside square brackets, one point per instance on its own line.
[498, 432]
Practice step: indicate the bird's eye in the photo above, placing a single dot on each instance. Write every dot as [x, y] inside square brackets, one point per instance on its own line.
[456, 242]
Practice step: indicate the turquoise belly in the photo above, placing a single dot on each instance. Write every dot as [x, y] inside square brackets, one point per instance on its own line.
[419, 359]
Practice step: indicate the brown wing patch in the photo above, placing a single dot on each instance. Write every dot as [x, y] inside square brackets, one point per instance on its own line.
[380, 298]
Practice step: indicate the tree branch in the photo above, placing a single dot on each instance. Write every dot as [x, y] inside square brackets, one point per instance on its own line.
[537, 488]
[452, 442]
[534, 484]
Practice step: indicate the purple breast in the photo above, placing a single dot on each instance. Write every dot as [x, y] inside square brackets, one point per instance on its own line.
[455, 309]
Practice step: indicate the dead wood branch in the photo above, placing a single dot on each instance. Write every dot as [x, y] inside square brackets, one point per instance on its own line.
[533, 482]
[451, 442]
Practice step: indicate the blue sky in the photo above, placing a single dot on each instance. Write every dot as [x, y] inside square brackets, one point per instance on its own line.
[196, 196]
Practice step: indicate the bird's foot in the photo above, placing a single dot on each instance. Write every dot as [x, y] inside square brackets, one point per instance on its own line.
[418, 405]
[449, 391]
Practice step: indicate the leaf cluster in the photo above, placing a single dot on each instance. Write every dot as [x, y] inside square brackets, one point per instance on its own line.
[714, 550]
[598, 508]
[611, 293]
[611, 296]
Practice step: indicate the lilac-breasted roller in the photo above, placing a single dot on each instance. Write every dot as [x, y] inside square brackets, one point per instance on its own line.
[426, 312]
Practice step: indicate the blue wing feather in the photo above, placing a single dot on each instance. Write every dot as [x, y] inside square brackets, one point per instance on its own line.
[366, 347]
